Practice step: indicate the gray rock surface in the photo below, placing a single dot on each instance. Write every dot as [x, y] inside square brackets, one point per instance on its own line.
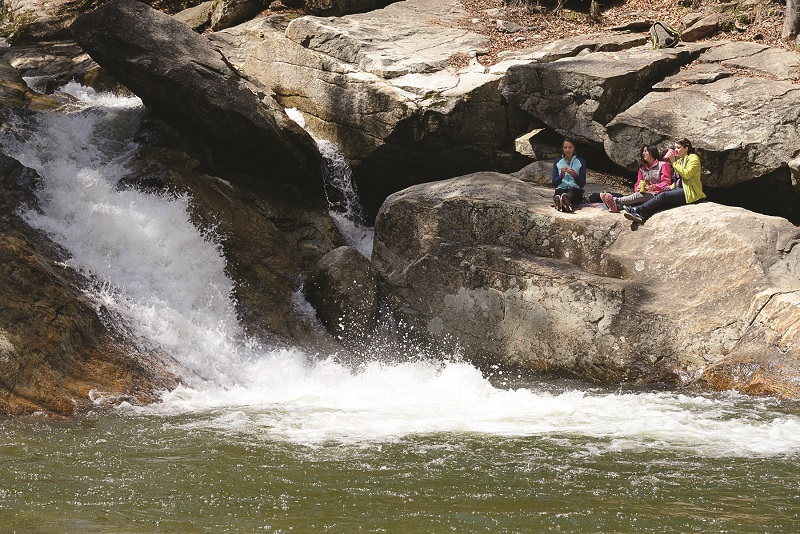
[579, 96]
[197, 17]
[343, 289]
[702, 73]
[227, 13]
[484, 265]
[759, 59]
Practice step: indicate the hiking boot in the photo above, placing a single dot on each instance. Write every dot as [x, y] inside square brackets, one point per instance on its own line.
[557, 202]
[632, 215]
[610, 202]
[565, 203]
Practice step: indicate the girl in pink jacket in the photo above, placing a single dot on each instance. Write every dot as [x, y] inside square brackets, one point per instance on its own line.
[655, 176]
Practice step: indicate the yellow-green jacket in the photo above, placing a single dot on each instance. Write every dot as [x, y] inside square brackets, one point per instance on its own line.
[689, 169]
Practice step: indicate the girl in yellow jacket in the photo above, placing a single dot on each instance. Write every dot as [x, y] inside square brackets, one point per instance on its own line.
[690, 189]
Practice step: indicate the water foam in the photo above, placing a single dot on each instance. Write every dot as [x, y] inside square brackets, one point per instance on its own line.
[151, 265]
[168, 281]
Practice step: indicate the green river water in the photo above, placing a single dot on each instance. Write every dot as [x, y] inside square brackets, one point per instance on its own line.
[215, 472]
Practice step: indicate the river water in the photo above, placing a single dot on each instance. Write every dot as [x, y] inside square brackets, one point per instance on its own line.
[263, 440]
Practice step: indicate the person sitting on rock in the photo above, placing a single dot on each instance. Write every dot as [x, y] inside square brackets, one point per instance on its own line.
[690, 189]
[655, 176]
[569, 177]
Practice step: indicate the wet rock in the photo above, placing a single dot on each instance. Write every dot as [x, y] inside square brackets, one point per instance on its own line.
[59, 351]
[343, 290]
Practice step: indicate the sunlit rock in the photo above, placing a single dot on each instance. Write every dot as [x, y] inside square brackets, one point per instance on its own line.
[485, 261]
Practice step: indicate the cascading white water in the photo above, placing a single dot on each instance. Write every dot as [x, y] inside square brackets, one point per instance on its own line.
[167, 280]
[345, 208]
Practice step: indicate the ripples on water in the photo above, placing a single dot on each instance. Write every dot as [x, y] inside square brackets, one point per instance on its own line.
[217, 471]
[279, 441]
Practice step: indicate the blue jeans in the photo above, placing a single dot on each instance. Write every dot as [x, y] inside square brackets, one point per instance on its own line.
[662, 201]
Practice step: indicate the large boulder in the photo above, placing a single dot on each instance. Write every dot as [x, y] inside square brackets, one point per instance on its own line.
[343, 289]
[482, 264]
[180, 75]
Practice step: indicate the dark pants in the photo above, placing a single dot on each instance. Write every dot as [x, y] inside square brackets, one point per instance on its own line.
[662, 201]
[575, 195]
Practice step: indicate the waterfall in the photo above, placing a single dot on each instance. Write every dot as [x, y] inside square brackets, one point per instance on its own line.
[340, 190]
[167, 281]
[150, 265]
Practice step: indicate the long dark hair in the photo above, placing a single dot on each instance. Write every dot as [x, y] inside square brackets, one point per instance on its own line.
[688, 144]
[653, 151]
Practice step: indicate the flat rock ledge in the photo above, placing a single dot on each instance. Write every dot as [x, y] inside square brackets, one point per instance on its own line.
[700, 295]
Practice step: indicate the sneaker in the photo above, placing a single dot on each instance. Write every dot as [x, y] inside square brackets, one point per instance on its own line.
[632, 215]
[610, 203]
[557, 202]
[565, 203]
